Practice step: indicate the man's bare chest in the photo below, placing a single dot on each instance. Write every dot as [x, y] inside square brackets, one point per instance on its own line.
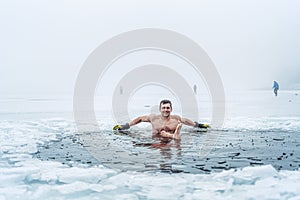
[167, 125]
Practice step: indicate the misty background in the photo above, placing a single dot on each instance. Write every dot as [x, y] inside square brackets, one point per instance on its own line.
[45, 43]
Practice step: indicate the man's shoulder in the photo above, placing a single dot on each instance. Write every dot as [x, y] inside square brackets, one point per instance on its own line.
[153, 116]
[175, 117]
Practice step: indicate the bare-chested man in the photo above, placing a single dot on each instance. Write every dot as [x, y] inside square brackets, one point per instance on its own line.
[165, 124]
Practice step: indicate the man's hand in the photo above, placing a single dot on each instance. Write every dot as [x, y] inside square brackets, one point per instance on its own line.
[121, 127]
[198, 125]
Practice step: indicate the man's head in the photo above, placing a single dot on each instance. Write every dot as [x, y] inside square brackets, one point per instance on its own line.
[165, 107]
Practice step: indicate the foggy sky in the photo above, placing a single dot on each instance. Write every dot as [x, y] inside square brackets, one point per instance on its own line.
[44, 43]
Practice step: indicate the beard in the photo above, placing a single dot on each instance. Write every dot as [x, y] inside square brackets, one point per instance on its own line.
[165, 114]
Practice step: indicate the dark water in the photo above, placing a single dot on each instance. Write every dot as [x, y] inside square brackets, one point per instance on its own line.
[138, 151]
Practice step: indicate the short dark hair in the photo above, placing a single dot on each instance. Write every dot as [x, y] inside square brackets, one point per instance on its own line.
[165, 101]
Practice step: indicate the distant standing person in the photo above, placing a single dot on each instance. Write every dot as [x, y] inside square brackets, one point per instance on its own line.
[121, 90]
[195, 89]
[275, 87]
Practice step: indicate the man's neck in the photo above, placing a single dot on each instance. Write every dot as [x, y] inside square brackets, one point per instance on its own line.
[165, 117]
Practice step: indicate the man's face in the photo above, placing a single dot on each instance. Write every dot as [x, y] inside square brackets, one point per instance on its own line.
[165, 109]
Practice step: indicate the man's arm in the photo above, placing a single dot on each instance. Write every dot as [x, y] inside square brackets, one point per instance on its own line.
[188, 122]
[185, 121]
[132, 123]
[194, 124]
[140, 119]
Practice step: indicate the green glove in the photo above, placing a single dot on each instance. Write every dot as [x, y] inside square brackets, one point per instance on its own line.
[198, 125]
[121, 127]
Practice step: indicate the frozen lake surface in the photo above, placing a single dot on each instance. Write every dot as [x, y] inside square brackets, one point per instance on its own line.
[256, 154]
